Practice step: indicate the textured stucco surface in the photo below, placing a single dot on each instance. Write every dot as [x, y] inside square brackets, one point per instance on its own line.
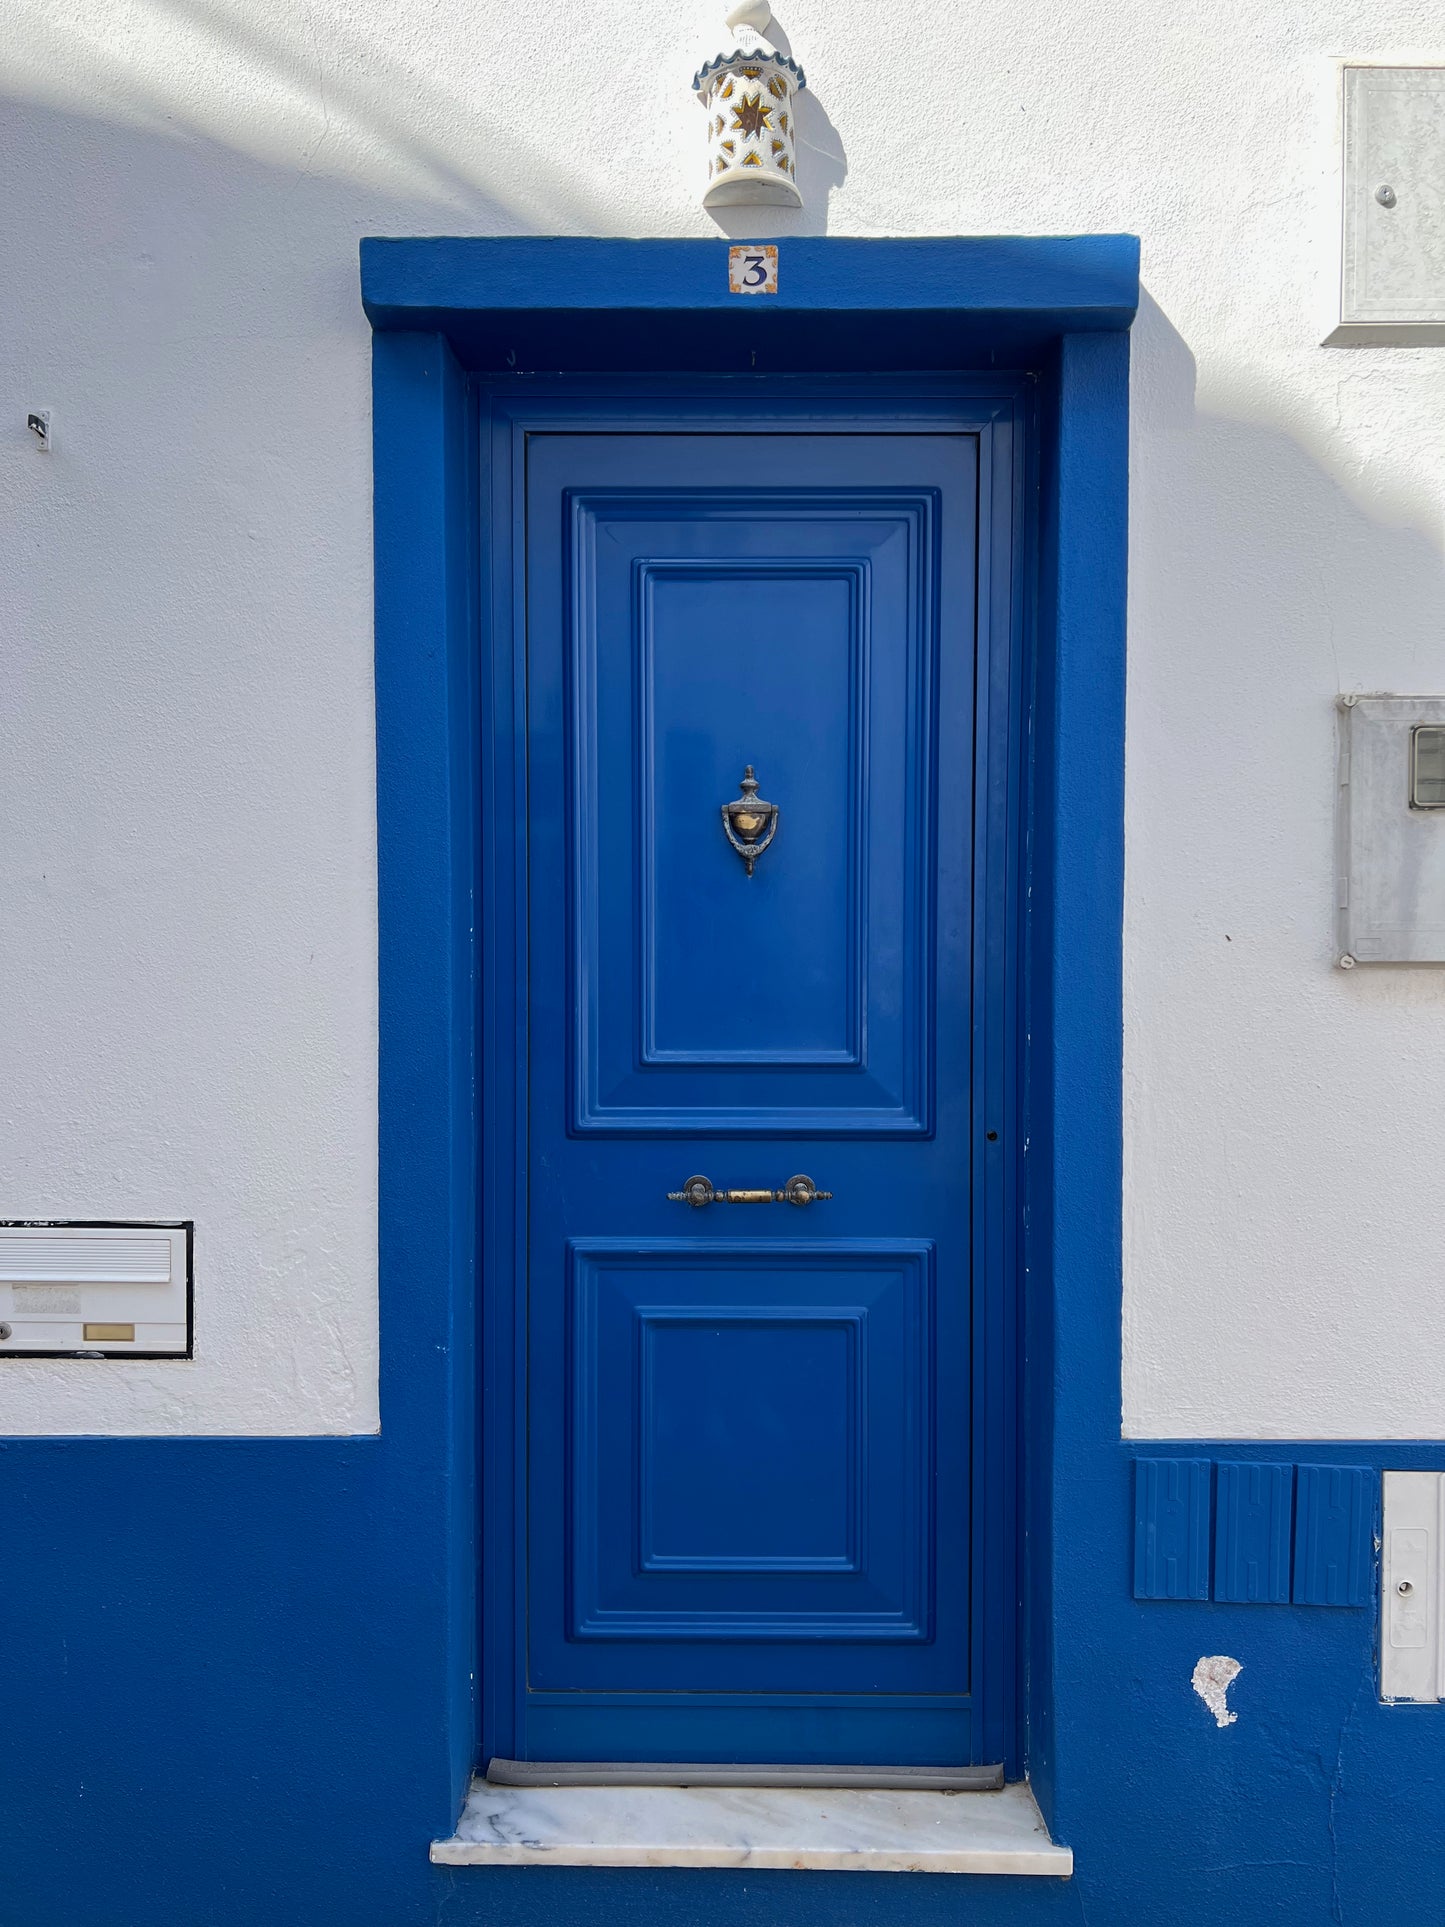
[186, 798]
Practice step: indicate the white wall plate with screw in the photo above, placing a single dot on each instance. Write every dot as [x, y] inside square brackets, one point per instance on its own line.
[1392, 208]
[1412, 1579]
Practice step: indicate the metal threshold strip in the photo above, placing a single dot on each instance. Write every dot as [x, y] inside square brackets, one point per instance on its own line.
[912, 1779]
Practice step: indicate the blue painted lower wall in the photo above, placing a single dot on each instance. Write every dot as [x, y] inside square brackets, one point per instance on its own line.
[229, 1701]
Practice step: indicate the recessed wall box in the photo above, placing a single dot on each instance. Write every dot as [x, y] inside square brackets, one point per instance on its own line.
[1392, 278]
[1390, 877]
[119, 1290]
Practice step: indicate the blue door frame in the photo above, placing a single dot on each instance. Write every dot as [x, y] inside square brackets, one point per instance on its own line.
[447, 313]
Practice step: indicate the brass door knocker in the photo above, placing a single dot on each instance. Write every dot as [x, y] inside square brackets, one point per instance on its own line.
[749, 822]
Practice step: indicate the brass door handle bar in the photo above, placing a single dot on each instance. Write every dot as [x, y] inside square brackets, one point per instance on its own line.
[699, 1191]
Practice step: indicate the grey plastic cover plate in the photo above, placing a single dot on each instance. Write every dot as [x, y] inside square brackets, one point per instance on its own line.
[1391, 864]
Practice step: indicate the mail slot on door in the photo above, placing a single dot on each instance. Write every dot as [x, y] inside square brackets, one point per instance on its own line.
[97, 1290]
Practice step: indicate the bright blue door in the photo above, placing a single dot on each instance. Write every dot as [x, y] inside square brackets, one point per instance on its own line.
[749, 1425]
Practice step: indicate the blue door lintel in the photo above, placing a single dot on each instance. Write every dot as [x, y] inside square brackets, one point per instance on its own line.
[1058, 311]
[538, 303]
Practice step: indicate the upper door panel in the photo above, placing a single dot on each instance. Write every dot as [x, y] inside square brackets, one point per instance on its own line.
[699, 627]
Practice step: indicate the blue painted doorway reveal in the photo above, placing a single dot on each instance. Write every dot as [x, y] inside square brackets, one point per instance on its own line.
[762, 1497]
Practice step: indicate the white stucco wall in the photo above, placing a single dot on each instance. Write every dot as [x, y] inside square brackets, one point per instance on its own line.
[187, 1025]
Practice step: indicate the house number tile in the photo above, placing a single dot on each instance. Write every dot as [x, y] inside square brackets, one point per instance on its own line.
[753, 270]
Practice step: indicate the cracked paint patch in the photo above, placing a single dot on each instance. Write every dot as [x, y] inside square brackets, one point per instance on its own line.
[1212, 1679]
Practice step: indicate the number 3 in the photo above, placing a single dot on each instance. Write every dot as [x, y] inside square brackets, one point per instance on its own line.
[757, 272]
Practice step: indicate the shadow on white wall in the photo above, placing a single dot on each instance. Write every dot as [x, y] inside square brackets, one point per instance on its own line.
[257, 77]
[297, 89]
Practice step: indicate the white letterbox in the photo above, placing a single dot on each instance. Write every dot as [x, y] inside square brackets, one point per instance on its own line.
[99, 1289]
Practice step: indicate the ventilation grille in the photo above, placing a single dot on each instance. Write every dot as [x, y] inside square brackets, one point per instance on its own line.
[35, 1259]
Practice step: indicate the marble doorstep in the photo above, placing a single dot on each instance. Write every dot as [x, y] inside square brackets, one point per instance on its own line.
[846, 1829]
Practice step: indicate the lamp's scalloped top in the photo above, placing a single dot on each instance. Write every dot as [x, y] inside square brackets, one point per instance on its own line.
[754, 57]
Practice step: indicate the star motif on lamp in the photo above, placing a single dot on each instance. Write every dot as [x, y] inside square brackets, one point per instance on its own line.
[750, 116]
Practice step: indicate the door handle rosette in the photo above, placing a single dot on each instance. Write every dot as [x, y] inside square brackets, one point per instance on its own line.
[698, 1191]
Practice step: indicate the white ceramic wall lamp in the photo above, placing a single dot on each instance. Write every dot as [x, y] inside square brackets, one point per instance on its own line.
[748, 97]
